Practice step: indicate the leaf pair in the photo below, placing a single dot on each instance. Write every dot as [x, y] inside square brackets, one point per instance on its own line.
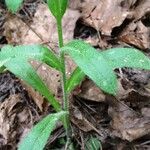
[16, 59]
[99, 66]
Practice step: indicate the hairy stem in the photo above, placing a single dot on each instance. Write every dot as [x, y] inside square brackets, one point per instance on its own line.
[65, 95]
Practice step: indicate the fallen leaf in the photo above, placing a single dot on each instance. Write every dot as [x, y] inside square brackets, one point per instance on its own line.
[89, 91]
[80, 121]
[9, 119]
[125, 123]
[136, 34]
[104, 15]
[142, 9]
[38, 99]
[42, 29]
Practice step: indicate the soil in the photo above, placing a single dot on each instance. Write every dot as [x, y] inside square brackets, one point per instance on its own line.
[119, 123]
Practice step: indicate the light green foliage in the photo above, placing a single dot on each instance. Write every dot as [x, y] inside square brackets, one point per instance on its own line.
[126, 57]
[99, 66]
[39, 134]
[93, 144]
[16, 59]
[29, 52]
[13, 5]
[75, 79]
[23, 69]
[57, 8]
[2, 62]
[93, 64]
[2, 67]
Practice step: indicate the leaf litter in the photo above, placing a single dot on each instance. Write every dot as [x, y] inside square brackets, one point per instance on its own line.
[119, 124]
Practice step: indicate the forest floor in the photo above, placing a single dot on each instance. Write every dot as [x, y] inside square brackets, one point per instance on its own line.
[118, 123]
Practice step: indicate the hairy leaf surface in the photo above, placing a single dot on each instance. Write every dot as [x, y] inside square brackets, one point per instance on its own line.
[30, 52]
[126, 57]
[93, 64]
[23, 70]
[39, 134]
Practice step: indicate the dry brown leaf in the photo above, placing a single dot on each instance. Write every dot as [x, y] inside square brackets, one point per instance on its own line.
[104, 15]
[50, 76]
[80, 121]
[142, 9]
[38, 99]
[126, 124]
[43, 29]
[9, 119]
[89, 91]
[75, 4]
[146, 112]
[136, 34]
[6, 109]
[124, 89]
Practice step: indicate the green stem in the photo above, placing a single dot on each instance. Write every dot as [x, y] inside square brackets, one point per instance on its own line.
[65, 95]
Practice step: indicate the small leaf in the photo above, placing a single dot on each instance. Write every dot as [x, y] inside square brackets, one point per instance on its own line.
[93, 144]
[39, 134]
[126, 57]
[23, 70]
[36, 52]
[57, 8]
[13, 5]
[92, 64]
[75, 79]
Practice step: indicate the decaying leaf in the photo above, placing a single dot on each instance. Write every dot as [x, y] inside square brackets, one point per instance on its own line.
[38, 99]
[136, 34]
[89, 91]
[11, 113]
[142, 9]
[50, 77]
[104, 15]
[43, 29]
[126, 123]
[80, 121]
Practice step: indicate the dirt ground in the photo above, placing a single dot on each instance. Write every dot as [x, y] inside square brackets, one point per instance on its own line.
[119, 123]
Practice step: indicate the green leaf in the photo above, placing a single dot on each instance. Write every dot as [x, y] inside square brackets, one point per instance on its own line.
[39, 134]
[2, 62]
[13, 5]
[16, 60]
[92, 64]
[75, 79]
[36, 52]
[126, 57]
[23, 70]
[57, 8]
[93, 144]
[2, 69]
